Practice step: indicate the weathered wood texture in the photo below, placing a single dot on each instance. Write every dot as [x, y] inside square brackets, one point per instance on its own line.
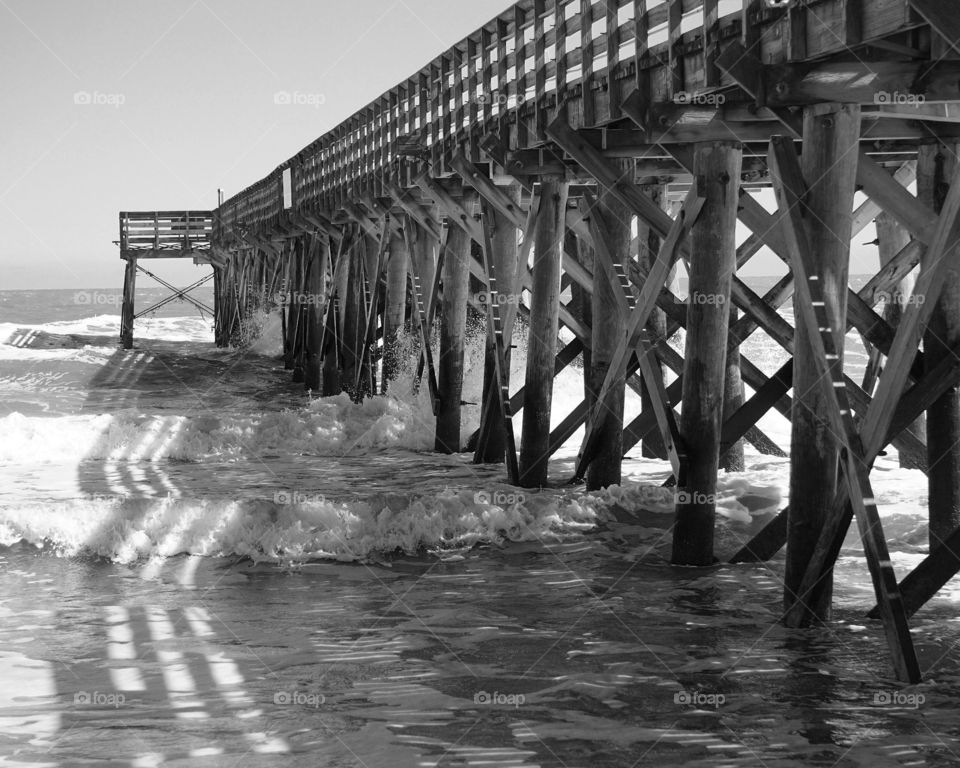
[542, 335]
[829, 166]
[712, 264]
[936, 166]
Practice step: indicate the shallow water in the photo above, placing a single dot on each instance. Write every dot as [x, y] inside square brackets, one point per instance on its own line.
[198, 566]
[590, 652]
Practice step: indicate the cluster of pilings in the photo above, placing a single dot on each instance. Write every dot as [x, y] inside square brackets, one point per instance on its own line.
[597, 261]
[515, 177]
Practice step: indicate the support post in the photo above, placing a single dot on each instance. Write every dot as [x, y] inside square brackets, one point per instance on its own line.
[298, 309]
[453, 325]
[333, 354]
[612, 219]
[290, 289]
[127, 310]
[318, 256]
[936, 166]
[893, 237]
[652, 445]
[491, 440]
[713, 251]
[395, 310]
[353, 318]
[581, 306]
[542, 336]
[829, 166]
[732, 459]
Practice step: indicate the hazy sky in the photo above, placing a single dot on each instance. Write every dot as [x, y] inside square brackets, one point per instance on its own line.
[183, 103]
[196, 79]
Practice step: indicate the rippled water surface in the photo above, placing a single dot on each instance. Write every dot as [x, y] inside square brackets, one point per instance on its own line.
[198, 567]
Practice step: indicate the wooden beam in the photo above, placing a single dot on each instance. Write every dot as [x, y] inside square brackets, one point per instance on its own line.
[790, 189]
[713, 261]
[542, 336]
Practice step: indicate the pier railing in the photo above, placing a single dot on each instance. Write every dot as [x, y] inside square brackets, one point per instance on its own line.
[539, 57]
[164, 234]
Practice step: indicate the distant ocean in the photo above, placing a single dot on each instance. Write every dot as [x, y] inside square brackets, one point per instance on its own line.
[200, 564]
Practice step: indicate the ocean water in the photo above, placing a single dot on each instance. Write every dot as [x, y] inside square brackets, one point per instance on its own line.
[202, 565]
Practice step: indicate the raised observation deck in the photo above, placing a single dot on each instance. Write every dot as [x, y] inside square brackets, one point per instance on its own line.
[165, 234]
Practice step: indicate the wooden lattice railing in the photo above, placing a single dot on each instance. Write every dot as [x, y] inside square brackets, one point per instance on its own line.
[540, 56]
[146, 233]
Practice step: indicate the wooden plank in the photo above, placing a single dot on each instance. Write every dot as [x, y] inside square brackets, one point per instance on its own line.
[861, 82]
[943, 21]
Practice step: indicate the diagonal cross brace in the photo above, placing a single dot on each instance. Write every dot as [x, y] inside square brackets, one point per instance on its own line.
[790, 188]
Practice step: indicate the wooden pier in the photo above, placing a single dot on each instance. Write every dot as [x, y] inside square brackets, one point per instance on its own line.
[573, 152]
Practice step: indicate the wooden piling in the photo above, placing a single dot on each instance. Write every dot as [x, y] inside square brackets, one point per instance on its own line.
[315, 287]
[612, 219]
[581, 305]
[453, 324]
[936, 166]
[542, 335]
[712, 264]
[395, 310]
[648, 246]
[829, 165]
[298, 310]
[491, 439]
[127, 310]
[732, 459]
[892, 237]
[353, 318]
[333, 353]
